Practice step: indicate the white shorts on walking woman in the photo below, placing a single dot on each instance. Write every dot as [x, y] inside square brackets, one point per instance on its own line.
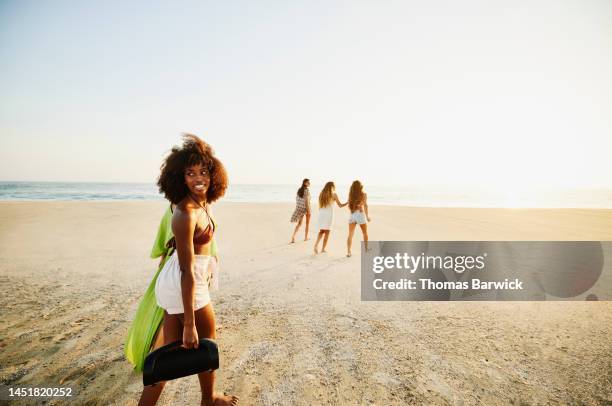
[358, 217]
[168, 285]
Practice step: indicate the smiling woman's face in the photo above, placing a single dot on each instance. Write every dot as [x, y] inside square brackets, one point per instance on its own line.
[197, 179]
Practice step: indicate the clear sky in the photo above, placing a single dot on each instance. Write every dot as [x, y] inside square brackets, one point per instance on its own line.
[432, 93]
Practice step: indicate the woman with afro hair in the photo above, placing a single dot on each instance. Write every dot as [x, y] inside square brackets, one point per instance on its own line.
[191, 178]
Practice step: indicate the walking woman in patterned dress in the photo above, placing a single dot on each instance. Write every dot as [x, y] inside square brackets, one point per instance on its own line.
[302, 208]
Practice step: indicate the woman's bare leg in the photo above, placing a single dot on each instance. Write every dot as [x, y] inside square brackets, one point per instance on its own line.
[316, 246]
[297, 227]
[349, 241]
[307, 226]
[205, 325]
[364, 231]
[325, 240]
[172, 331]
[158, 341]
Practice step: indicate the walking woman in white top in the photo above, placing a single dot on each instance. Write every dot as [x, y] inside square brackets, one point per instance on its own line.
[326, 213]
[358, 205]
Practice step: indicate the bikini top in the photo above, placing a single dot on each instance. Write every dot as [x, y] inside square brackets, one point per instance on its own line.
[203, 236]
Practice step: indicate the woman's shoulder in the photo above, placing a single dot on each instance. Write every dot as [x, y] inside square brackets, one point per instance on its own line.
[184, 210]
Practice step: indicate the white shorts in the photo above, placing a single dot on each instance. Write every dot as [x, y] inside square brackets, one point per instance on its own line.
[168, 285]
[358, 217]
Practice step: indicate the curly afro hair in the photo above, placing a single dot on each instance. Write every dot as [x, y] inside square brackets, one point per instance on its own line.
[194, 151]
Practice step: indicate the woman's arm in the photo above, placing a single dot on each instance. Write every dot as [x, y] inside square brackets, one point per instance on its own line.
[338, 201]
[183, 225]
[365, 205]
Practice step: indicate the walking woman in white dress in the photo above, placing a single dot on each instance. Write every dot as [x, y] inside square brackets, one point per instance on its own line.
[327, 197]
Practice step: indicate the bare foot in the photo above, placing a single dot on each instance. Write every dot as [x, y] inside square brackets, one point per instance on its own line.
[316, 251]
[292, 241]
[222, 400]
[306, 239]
[323, 251]
[348, 254]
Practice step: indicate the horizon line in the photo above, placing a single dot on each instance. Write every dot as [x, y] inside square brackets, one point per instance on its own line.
[433, 186]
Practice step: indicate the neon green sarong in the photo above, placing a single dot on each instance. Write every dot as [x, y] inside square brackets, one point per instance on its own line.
[149, 315]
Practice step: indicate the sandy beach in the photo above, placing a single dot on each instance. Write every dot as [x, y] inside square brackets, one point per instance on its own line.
[291, 327]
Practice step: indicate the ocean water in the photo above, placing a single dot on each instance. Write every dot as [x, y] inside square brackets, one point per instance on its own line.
[402, 196]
